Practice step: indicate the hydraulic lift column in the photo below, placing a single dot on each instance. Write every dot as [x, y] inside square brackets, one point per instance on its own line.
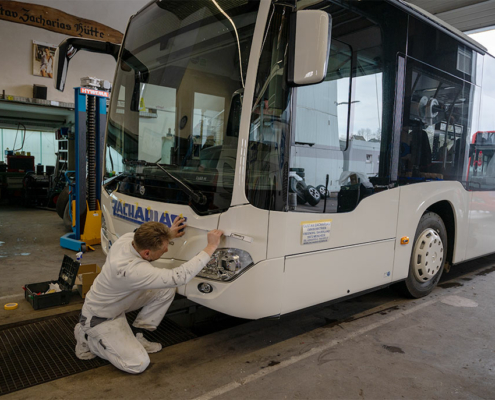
[90, 108]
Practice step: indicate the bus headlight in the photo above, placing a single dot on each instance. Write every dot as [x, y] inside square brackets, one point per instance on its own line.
[225, 264]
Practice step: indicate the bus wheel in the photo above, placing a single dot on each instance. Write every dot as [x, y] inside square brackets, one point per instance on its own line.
[299, 188]
[62, 201]
[312, 195]
[323, 191]
[428, 256]
[67, 218]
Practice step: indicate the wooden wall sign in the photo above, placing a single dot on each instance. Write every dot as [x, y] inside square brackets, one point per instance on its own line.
[57, 21]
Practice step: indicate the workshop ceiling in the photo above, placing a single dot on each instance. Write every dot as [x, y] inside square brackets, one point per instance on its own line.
[465, 15]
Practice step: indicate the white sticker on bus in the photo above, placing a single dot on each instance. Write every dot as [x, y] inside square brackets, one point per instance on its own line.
[315, 231]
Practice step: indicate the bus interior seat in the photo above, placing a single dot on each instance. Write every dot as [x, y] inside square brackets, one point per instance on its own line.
[421, 151]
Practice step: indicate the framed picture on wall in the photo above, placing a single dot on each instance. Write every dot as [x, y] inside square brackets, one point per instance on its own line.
[43, 59]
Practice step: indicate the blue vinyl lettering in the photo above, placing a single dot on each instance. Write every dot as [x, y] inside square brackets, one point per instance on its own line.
[140, 215]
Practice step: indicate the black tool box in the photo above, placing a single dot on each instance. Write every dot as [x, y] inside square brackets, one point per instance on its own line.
[66, 279]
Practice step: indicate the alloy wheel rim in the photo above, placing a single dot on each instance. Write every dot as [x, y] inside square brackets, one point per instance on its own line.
[314, 193]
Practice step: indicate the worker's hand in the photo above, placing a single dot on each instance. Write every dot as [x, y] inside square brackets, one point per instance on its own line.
[177, 228]
[213, 237]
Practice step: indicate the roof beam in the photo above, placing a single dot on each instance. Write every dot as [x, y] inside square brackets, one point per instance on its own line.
[475, 16]
[465, 15]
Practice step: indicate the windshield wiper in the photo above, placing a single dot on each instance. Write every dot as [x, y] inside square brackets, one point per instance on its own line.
[195, 195]
[137, 162]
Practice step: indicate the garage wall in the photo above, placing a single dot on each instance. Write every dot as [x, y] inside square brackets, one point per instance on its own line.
[16, 47]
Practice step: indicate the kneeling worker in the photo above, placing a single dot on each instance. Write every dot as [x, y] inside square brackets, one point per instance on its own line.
[128, 282]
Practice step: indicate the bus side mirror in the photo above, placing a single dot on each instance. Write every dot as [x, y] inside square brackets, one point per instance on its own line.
[68, 49]
[311, 37]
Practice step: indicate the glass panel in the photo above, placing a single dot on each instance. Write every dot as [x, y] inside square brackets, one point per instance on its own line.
[209, 114]
[180, 83]
[440, 50]
[156, 123]
[48, 149]
[12, 139]
[368, 105]
[321, 130]
[43, 150]
[323, 109]
[31, 144]
[333, 162]
[437, 118]
[267, 153]
[482, 149]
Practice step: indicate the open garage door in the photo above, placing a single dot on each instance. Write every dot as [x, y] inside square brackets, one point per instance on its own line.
[465, 15]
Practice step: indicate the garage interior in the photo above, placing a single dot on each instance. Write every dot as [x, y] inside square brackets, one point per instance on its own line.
[375, 346]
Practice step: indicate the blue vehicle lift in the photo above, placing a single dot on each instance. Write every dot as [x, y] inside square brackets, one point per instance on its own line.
[91, 118]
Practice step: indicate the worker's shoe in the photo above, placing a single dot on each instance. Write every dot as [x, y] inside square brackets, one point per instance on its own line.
[82, 348]
[150, 347]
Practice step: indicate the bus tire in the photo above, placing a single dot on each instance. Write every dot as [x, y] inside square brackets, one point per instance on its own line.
[298, 187]
[428, 256]
[312, 195]
[67, 218]
[63, 199]
[323, 191]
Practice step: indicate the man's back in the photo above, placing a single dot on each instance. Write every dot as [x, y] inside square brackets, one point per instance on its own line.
[125, 275]
[115, 283]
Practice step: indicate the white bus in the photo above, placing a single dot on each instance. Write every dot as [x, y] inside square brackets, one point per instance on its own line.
[343, 146]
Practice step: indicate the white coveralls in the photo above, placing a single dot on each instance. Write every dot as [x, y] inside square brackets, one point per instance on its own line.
[126, 283]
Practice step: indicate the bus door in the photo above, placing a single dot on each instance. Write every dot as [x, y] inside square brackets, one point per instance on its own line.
[481, 182]
[338, 230]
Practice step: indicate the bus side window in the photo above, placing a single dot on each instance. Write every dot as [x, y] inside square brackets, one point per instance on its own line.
[482, 161]
[482, 150]
[331, 166]
[437, 118]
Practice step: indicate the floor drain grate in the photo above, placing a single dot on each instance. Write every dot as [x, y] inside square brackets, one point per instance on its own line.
[43, 351]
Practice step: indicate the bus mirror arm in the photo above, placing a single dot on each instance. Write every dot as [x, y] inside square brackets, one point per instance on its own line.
[68, 49]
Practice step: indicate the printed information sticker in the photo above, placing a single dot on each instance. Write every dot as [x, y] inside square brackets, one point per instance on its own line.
[315, 231]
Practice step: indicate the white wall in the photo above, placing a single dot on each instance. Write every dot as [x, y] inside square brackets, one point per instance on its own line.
[16, 47]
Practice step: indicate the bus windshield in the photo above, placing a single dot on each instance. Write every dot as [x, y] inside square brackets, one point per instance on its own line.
[177, 100]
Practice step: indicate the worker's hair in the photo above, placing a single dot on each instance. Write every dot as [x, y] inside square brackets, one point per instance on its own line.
[151, 236]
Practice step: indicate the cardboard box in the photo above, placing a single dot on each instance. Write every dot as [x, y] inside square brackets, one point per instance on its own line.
[85, 277]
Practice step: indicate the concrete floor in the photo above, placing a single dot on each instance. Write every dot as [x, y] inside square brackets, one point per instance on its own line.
[30, 252]
[378, 346]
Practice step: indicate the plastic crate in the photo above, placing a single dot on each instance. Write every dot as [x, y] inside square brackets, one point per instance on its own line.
[66, 279]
